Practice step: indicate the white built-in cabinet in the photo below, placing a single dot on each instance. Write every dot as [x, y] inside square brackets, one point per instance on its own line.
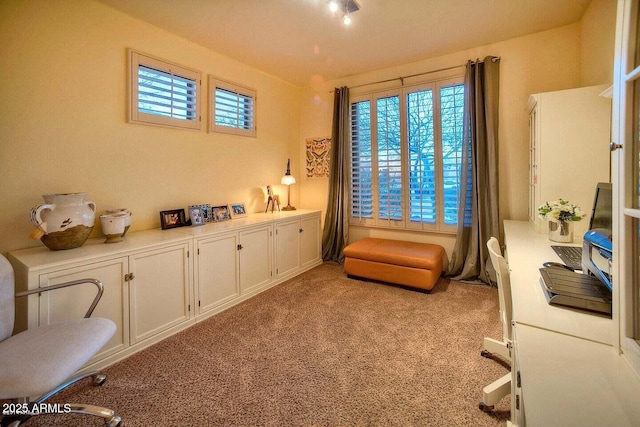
[231, 265]
[73, 302]
[569, 134]
[158, 282]
[159, 289]
[297, 245]
[146, 282]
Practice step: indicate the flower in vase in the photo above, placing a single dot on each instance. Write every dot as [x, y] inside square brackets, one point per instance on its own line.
[560, 210]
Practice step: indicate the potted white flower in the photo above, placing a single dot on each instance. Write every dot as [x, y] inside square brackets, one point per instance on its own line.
[561, 214]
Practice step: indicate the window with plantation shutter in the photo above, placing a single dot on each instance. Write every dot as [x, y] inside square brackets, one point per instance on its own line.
[451, 112]
[233, 108]
[163, 94]
[361, 158]
[422, 157]
[389, 159]
[412, 139]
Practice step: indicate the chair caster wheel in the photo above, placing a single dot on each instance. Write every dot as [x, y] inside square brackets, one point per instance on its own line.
[99, 379]
[485, 353]
[115, 422]
[484, 407]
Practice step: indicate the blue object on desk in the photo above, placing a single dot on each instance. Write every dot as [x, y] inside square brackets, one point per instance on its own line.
[597, 254]
[600, 238]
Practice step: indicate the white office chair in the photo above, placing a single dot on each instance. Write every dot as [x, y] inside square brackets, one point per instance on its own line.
[494, 392]
[38, 362]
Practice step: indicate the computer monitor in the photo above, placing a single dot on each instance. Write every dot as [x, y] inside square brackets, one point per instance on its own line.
[602, 207]
[597, 249]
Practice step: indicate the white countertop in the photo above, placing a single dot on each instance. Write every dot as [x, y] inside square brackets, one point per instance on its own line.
[568, 381]
[570, 369]
[526, 251]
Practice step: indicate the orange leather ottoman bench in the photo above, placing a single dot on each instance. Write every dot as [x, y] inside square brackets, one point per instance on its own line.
[418, 265]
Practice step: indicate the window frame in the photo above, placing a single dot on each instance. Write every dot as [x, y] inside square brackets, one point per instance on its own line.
[402, 92]
[246, 92]
[626, 214]
[137, 59]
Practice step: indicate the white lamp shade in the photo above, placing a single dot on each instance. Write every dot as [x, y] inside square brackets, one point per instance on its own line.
[288, 180]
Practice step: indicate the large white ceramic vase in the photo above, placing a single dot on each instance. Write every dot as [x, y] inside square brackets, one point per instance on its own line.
[65, 219]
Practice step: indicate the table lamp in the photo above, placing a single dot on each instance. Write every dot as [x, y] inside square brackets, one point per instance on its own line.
[287, 180]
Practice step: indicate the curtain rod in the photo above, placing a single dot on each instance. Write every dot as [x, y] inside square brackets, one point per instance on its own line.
[493, 59]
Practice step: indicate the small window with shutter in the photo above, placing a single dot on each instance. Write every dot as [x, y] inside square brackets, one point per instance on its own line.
[163, 94]
[232, 108]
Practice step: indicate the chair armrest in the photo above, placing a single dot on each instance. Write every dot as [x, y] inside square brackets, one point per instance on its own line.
[96, 282]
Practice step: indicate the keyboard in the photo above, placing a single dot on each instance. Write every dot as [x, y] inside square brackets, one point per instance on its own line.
[571, 256]
[576, 290]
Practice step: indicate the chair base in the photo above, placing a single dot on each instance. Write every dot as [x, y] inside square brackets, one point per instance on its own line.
[495, 392]
[109, 416]
[491, 346]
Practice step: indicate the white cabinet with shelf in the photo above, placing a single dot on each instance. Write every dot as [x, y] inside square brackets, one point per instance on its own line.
[237, 259]
[72, 303]
[159, 291]
[569, 133]
[152, 279]
[216, 268]
[255, 258]
[297, 245]
[231, 265]
[146, 288]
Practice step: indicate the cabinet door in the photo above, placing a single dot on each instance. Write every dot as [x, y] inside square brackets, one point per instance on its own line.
[159, 290]
[517, 400]
[309, 241]
[73, 302]
[533, 167]
[217, 271]
[287, 248]
[255, 258]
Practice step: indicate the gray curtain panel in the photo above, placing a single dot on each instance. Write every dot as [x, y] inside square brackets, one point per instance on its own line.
[478, 216]
[336, 222]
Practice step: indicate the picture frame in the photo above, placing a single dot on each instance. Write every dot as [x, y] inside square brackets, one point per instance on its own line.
[220, 213]
[196, 215]
[206, 212]
[172, 219]
[237, 210]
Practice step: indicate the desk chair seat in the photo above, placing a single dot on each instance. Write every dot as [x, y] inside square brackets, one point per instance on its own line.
[38, 362]
[497, 390]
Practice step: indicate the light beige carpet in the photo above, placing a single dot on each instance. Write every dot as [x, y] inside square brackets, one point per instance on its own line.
[318, 350]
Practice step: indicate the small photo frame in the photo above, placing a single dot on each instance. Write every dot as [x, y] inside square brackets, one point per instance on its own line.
[237, 210]
[172, 219]
[206, 212]
[220, 213]
[196, 215]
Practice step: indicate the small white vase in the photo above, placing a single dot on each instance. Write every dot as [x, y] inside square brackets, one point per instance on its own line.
[127, 222]
[113, 226]
[561, 231]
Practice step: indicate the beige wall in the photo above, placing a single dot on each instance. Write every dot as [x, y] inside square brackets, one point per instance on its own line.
[546, 61]
[63, 115]
[63, 121]
[598, 41]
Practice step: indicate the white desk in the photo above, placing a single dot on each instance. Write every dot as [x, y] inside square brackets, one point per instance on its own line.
[571, 374]
[526, 251]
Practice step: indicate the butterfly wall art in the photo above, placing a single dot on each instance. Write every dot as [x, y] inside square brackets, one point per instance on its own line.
[318, 157]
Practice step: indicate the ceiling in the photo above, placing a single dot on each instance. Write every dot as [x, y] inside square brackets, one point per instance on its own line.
[301, 41]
